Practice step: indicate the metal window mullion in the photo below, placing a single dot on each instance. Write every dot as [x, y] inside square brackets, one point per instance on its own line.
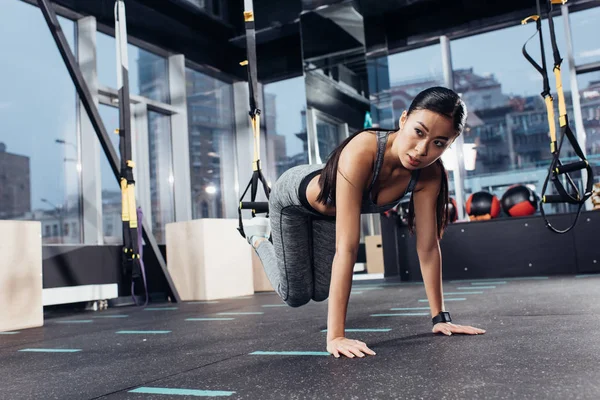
[91, 181]
[314, 156]
[140, 150]
[459, 170]
[180, 148]
[579, 127]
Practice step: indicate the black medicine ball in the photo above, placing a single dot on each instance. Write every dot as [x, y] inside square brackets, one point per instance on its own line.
[483, 204]
[519, 201]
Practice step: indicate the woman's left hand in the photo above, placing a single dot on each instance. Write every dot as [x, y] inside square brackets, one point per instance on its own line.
[448, 329]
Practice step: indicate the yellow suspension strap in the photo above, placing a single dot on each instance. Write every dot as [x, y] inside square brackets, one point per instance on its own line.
[557, 169]
[257, 176]
[132, 263]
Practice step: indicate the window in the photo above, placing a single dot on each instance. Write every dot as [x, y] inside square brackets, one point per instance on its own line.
[148, 72]
[410, 73]
[585, 33]
[161, 173]
[212, 145]
[589, 97]
[39, 152]
[507, 117]
[285, 120]
[328, 138]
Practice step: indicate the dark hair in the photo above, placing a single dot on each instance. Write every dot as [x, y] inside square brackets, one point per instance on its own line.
[436, 99]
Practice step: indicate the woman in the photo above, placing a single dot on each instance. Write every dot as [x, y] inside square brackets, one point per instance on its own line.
[315, 212]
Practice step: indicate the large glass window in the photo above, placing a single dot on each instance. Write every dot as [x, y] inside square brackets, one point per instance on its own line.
[161, 173]
[589, 97]
[39, 150]
[211, 128]
[285, 119]
[410, 73]
[507, 122]
[148, 72]
[328, 137]
[585, 31]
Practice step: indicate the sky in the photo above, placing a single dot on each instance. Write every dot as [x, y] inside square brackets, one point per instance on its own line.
[37, 96]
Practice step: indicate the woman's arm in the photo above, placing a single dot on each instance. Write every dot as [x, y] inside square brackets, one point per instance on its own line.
[354, 169]
[428, 248]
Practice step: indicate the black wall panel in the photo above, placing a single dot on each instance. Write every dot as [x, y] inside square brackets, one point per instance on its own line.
[501, 248]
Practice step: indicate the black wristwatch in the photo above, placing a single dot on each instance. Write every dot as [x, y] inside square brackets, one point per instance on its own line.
[443, 316]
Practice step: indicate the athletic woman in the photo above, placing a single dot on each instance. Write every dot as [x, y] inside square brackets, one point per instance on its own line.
[314, 213]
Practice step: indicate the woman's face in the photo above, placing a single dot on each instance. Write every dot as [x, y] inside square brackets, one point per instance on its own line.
[423, 137]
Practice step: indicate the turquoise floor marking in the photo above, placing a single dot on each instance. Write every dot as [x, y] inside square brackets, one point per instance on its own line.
[290, 353]
[475, 287]
[209, 319]
[367, 288]
[160, 308]
[51, 350]
[203, 302]
[9, 333]
[400, 315]
[351, 292]
[488, 283]
[181, 392]
[527, 278]
[275, 305]
[142, 332]
[455, 293]
[75, 321]
[587, 276]
[241, 313]
[112, 316]
[409, 308]
[365, 330]
[455, 299]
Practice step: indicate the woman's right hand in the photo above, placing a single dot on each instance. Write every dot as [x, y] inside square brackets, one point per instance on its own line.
[348, 347]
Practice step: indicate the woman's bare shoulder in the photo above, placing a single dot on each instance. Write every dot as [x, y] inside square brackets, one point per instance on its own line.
[429, 178]
[362, 145]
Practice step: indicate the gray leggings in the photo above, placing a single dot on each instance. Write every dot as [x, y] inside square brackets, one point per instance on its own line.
[298, 262]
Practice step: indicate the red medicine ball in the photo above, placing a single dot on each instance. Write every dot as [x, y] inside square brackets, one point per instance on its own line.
[519, 201]
[483, 204]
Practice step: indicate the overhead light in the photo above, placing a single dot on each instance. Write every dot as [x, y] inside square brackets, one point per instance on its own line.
[211, 189]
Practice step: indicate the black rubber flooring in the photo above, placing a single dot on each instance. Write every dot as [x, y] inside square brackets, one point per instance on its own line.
[542, 342]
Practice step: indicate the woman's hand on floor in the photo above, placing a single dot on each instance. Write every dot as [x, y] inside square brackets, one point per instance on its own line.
[348, 347]
[448, 329]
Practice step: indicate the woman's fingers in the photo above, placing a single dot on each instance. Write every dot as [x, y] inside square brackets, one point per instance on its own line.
[346, 352]
[467, 330]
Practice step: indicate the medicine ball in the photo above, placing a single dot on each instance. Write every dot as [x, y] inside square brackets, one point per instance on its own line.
[452, 214]
[519, 201]
[481, 204]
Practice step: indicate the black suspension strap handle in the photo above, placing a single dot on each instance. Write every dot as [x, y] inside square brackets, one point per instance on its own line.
[257, 175]
[557, 170]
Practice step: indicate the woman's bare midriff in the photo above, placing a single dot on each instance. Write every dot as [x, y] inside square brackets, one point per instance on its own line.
[397, 179]
[312, 192]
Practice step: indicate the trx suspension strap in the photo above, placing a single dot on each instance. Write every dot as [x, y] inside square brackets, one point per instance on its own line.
[557, 169]
[257, 176]
[131, 256]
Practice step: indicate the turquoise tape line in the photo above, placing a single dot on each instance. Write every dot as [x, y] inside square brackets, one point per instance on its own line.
[51, 350]
[181, 392]
[290, 353]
